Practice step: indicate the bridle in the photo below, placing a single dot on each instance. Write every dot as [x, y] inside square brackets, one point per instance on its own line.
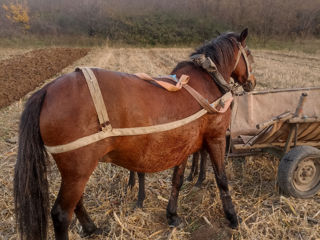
[242, 52]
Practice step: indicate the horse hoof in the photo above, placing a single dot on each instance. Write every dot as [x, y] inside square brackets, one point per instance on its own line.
[95, 231]
[235, 223]
[174, 221]
[190, 178]
[139, 205]
[198, 184]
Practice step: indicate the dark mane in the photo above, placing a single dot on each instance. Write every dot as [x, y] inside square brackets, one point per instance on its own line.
[220, 49]
[181, 65]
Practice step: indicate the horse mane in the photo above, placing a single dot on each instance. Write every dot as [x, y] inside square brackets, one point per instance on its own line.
[182, 65]
[219, 49]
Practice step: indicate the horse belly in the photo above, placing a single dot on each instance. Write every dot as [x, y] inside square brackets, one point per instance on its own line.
[155, 152]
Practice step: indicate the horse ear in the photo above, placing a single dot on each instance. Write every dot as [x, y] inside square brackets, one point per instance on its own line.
[243, 35]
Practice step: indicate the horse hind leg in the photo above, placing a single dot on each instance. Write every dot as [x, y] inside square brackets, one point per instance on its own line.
[194, 166]
[87, 224]
[216, 148]
[203, 167]
[74, 179]
[132, 179]
[177, 181]
[62, 210]
[141, 193]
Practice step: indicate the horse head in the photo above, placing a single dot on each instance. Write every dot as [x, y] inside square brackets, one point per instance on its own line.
[242, 71]
[227, 56]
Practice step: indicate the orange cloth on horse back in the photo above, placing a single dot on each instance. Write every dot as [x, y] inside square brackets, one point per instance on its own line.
[184, 79]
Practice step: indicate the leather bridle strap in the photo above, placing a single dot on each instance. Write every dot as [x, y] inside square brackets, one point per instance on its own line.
[237, 60]
[245, 56]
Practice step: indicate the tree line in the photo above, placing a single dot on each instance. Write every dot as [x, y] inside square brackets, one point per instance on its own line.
[160, 22]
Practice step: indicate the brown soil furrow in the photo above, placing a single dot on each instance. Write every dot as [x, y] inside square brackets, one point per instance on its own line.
[22, 73]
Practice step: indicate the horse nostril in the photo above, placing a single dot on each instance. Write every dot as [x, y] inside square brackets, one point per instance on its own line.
[250, 84]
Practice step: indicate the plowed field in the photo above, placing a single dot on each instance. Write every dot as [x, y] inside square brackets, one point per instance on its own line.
[21, 74]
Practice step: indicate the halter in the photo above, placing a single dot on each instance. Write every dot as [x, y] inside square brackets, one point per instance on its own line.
[246, 60]
[206, 63]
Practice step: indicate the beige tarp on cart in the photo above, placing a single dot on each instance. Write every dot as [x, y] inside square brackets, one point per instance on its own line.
[255, 108]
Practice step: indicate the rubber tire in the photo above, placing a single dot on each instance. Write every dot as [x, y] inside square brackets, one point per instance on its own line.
[287, 167]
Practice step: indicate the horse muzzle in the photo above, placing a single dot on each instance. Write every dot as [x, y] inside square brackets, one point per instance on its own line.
[250, 83]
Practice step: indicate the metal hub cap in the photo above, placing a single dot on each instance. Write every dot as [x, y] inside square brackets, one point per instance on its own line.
[307, 174]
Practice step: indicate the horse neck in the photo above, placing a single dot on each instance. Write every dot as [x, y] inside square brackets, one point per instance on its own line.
[226, 71]
[200, 80]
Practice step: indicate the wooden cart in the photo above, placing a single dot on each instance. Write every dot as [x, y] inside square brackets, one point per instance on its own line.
[286, 123]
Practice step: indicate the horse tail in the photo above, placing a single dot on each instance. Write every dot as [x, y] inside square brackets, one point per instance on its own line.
[31, 193]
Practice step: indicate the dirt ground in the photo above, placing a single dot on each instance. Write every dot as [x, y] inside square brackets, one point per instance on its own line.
[265, 214]
[22, 73]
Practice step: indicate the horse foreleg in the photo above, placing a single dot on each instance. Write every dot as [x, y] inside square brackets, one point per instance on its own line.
[132, 179]
[87, 224]
[141, 193]
[194, 166]
[177, 181]
[216, 149]
[203, 167]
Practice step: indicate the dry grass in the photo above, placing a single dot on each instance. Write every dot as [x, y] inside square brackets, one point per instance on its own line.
[282, 69]
[265, 214]
[6, 53]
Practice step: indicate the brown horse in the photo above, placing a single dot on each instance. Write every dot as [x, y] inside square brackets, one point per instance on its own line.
[63, 111]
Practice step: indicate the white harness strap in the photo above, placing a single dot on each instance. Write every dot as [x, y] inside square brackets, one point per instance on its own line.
[84, 141]
[97, 98]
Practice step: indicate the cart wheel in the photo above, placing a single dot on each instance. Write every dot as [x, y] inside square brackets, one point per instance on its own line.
[299, 172]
